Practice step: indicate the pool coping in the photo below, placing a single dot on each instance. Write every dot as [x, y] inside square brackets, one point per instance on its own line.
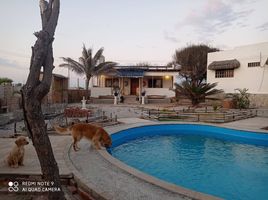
[153, 180]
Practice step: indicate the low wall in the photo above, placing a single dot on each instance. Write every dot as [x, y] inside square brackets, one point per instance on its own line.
[256, 100]
[100, 91]
[160, 91]
[259, 100]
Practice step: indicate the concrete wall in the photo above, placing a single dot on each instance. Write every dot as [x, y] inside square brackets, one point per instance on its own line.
[10, 100]
[253, 78]
[259, 100]
[159, 91]
[100, 91]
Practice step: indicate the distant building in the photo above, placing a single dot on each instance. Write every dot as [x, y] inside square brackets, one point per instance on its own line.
[58, 92]
[133, 80]
[241, 67]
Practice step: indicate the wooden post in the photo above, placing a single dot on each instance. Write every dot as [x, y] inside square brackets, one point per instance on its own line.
[139, 89]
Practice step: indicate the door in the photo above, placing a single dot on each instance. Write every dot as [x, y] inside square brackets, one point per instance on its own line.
[134, 86]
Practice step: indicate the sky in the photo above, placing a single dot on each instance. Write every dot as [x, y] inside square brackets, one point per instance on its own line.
[131, 31]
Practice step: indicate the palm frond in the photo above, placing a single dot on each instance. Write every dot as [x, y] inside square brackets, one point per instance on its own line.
[97, 56]
[87, 65]
[84, 52]
[89, 58]
[196, 93]
[73, 65]
[104, 68]
[83, 62]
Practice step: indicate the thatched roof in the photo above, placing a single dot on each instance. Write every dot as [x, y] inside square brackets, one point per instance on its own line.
[224, 64]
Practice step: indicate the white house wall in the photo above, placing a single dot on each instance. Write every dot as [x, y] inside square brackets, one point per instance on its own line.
[253, 78]
[166, 82]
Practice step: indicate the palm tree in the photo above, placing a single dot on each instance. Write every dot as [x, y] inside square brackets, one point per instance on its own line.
[198, 93]
[88, 65]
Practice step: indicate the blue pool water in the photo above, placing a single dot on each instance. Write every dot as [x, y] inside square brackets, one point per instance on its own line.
[222, 162]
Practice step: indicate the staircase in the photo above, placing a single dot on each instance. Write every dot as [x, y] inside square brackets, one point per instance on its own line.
[130, 99]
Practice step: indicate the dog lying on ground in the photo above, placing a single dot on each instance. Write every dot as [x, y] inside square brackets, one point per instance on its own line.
[97, 135]
[16, 155]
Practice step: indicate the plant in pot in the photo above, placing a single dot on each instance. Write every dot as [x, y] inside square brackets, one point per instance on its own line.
[143, 93]
[116, 93]
[143, 97]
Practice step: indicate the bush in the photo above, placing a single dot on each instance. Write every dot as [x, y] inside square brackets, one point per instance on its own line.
[241, 99]
[196, 93]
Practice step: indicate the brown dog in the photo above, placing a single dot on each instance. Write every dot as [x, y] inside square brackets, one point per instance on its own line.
[96, 134]
[16, 155]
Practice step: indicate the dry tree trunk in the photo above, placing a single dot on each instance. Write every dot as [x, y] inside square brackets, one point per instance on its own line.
[35, 89]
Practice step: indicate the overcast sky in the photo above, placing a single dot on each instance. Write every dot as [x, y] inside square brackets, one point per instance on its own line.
[130, 31]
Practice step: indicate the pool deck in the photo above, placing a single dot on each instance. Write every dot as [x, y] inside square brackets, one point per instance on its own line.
[103, 175]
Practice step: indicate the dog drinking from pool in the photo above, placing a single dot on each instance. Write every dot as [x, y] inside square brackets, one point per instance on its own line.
[97, 135]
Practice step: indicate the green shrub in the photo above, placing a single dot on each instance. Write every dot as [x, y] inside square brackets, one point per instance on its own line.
[241, 99]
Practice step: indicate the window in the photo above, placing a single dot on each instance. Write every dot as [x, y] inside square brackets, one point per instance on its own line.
[155, 83]
[224, 73]
[109, 82]
[254, 64]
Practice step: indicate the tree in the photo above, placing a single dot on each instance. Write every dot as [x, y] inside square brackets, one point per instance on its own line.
[143, 64]
[193, 68]
[88, 65]
[5, 80]
[35, 89]
[193, 62]
[196, 94]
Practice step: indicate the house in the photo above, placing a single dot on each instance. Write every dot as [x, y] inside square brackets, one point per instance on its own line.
[133, 80]
[241, 67]
[58, 92]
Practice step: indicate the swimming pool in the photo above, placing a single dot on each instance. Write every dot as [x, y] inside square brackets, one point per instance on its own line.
[227, 163]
